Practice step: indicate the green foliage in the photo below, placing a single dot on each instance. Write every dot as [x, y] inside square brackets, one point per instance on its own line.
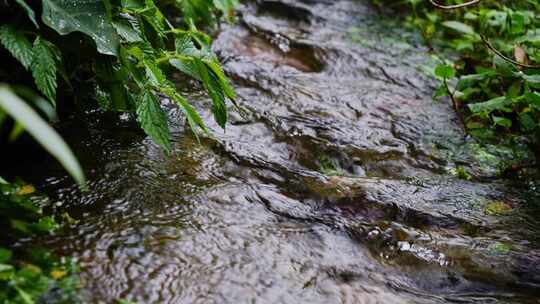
[495, 81]
[129, 47]
[28, 273]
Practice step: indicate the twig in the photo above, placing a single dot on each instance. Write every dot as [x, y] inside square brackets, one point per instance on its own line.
[498, 53]
[455, 6]
[455, 104]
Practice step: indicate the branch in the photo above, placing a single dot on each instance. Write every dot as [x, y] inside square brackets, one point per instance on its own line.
[455, 104]
[455, 6]
[498, 53]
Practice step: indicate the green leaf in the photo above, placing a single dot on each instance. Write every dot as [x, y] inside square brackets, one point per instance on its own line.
[17, 44]
[45, 224]
[194, 119]
[468, 81]
[214, 89]
[527, 122]
[223, 80]
[227, 8]
[445, 71]
[88, 17]
[27, 299]
[154, 121]
[517, 22]
[187, 66]
[154, 73]
[460, 27]
[112, 78]
[5, 255]
[441, 91]
[490, 105]
[475, 125]
[129, 29]
[29, 11]
[532, 80]
[41, 131]
[503, 67]
[533, 99]
[503, 122]
[43, 67]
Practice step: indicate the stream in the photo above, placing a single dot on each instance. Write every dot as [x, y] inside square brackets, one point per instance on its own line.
[334, 184]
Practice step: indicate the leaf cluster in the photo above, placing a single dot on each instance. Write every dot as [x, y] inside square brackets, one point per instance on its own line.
[28, 274]
[494, 81]
[123, 50]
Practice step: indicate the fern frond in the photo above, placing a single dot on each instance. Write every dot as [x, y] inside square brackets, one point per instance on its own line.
[17, 44]
[44, 67]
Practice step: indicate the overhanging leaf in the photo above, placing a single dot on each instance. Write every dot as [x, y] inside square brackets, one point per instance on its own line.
[89, 17]
[40, 131]
[154, 121]
[29, 11]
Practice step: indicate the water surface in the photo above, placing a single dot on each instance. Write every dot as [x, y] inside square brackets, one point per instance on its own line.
[334, 186]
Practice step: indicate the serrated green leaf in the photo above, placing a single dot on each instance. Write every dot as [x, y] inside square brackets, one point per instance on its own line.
[187, 66]
[194, 119]
[41, 131]
[154, 121]
[88, 17]
[154, 73]
[185, 46]
[129, 29]
[214, 89]
[17, 44]
[44, 68]
[223, 80]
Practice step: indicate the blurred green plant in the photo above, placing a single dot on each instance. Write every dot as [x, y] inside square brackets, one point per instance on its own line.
[27, 119]
[30, 274]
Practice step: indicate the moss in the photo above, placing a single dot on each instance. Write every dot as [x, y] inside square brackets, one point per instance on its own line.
[497, 208]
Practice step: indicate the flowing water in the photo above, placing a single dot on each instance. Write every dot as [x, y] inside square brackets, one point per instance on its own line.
[334, 185]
